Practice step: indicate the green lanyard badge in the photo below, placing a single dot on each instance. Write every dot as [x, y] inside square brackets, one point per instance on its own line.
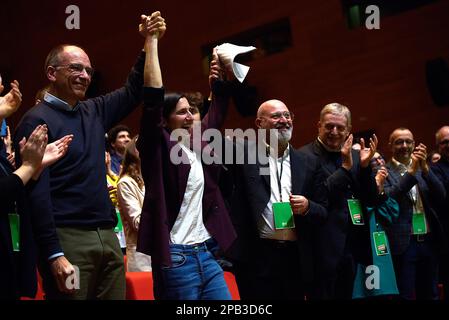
[283, 216]
[355, 211]
[14, 225]
[419, 223]
[380, 243]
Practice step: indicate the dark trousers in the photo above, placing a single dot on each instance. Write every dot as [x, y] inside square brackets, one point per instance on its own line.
[417, 270]
[337, 285]
[444, 274]
[274, 273]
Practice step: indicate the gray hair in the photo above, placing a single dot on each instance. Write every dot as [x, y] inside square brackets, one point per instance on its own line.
[336, 109]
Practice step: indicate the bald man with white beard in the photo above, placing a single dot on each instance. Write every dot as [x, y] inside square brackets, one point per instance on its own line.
[273, 258]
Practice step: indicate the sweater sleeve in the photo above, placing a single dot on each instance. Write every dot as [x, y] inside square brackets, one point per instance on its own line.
[116, 105]
[37, 199]
[216, 114]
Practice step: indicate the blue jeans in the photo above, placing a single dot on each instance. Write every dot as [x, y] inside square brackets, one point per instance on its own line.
[194, 275]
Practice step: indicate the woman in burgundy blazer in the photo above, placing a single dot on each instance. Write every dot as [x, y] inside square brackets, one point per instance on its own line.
[182, 268]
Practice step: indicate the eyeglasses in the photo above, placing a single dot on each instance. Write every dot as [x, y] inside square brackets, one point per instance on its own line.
[444, 142]
[400, 142]
[377, 159]
[77, 68]
[331, 126]
[289, 116]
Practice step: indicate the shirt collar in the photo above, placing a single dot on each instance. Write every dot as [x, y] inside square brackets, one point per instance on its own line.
[399, 165]
[326, 147]
[269, 148]
[59, 104]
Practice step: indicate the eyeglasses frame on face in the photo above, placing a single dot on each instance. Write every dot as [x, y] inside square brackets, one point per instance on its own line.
[276, 116]
[443, 142]
[340, 129]
[375, 159]
[77, 68]
[400, 142]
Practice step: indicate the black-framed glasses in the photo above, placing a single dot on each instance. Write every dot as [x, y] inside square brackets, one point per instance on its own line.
[444, 142]
[77, 68]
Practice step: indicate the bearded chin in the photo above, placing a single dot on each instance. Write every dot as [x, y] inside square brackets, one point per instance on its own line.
[285, 136]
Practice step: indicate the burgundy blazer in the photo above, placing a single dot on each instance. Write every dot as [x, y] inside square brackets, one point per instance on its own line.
[165, 182]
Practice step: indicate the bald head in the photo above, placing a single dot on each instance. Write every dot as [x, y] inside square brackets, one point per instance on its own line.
[443, 131]
[69, 71]
[442, 141]
[274, 114]
[54, 56]
[402, 144]
[270, 106]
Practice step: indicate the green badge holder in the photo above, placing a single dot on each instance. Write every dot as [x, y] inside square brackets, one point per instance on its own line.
[380, 243]
[419, 223]
[283, 215]
[14, 224]
[119, 226]
[355, 211]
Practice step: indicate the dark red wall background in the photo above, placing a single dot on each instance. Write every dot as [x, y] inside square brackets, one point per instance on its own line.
[379, 74]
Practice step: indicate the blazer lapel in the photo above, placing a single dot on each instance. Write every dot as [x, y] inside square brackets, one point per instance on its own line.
[328, 166]
[296, 173]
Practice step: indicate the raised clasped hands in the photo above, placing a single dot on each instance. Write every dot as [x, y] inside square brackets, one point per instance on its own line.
[153, 26]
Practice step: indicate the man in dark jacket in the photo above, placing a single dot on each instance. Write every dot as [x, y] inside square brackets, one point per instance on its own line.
[343, 239]
[272, 260]
[441, 170]
[417, 236]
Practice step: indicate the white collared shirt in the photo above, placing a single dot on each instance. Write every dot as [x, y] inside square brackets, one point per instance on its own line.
[414, 193]
[189, 227]
[266, 221]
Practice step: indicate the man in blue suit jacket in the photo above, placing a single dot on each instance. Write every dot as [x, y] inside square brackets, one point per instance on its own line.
[417, 236]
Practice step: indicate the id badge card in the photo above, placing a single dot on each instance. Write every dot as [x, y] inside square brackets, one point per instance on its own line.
[14, 225]
[380, 243]
[355, 211]
[283, 215]
[419, 223]
[119, 226]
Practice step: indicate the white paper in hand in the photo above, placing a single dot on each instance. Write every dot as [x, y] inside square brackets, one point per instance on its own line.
[227, 53]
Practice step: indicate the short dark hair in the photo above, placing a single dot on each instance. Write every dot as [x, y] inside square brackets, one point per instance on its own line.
[170, 102]
[112, 134]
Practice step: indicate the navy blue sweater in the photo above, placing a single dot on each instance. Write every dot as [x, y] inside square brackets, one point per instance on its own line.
[73, 192]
